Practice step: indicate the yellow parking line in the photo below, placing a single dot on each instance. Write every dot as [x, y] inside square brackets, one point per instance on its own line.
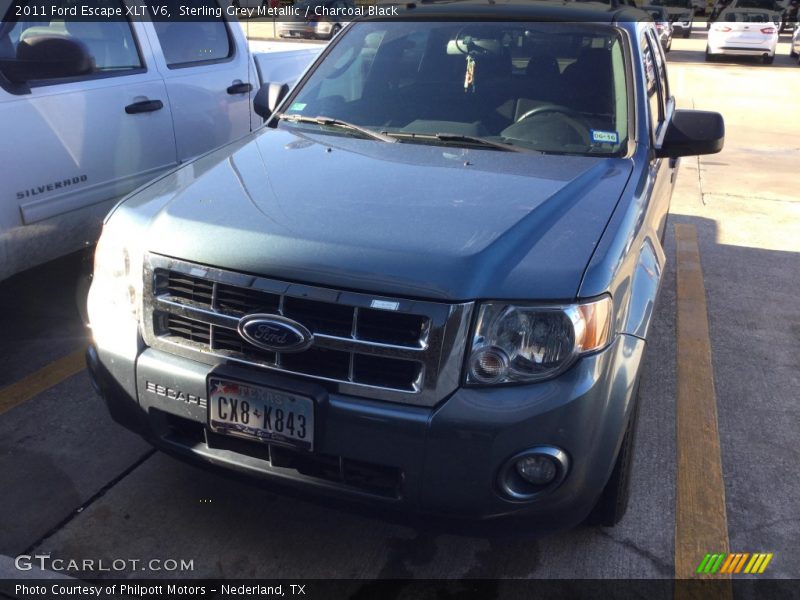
[41, 380]
[701, 523]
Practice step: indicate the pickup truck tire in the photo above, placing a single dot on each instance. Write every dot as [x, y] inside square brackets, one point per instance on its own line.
[613, 502]
[688, 32]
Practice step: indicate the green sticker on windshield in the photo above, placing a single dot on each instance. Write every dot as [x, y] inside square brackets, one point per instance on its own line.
[297, 106]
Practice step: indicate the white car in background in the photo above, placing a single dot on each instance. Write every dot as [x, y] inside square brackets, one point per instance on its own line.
[794, 49]
[743, 32]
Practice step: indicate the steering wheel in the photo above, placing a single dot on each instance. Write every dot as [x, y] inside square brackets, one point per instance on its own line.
[545, 108]
[568, 116]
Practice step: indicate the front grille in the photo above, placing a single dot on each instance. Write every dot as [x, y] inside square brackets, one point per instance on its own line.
[187, 329]
[241, 301]
[186, 287]
[410, 352]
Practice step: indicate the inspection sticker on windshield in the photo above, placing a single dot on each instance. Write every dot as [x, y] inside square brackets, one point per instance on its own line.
[298, 106]
[611, 137]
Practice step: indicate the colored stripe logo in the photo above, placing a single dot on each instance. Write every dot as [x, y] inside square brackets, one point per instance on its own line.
[742, 562]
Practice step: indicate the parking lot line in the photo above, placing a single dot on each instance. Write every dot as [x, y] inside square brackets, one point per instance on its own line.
[701, 524]
[41, 380]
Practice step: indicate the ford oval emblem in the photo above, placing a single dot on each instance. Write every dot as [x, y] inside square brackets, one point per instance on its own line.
[273, 332]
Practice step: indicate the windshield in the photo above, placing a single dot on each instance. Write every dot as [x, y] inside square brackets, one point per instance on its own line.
[549, 87]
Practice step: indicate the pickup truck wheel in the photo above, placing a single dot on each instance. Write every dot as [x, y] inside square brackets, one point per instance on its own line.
[613, 502]
[688, 32]
[335, 30]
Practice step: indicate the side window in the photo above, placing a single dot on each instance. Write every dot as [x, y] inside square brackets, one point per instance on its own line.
[655, 101]
[110, 42]
[661, 64]
[189, 42]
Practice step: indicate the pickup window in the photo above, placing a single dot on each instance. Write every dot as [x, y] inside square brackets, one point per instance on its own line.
[186, 43]
[110, 42]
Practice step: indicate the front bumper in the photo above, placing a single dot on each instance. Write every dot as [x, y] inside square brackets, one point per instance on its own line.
[441, 461]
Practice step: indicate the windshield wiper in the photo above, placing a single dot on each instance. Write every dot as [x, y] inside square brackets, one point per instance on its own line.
[457, 137]
[479, 141]
[331, 122]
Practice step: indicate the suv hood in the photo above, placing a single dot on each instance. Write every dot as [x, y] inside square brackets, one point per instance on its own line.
[436, 222]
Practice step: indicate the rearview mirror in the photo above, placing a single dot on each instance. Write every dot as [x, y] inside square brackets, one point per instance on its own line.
[693, 132]
[268, 98]
[47, 57]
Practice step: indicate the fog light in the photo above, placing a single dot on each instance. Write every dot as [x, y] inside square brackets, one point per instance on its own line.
[489, 365]
[538, 469]
[533, 472]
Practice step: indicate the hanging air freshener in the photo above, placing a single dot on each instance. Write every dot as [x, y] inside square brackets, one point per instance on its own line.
[469, 76]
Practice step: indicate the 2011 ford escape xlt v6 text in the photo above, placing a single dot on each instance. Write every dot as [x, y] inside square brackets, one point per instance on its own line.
[426, 283]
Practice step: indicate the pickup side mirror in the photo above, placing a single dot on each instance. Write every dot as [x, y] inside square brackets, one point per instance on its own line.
[47, 57]
[268, 97]
[693, 132]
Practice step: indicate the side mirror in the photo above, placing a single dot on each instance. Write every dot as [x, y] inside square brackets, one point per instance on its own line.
[268, 97]
[693, 132]
[47, 57]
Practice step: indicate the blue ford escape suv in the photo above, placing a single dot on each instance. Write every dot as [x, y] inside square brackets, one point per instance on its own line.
[427, 282]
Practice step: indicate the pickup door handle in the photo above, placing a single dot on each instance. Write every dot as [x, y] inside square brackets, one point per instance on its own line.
[240, 88]
[144, 106]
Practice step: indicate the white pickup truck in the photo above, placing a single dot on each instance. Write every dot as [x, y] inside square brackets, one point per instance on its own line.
[91, 110]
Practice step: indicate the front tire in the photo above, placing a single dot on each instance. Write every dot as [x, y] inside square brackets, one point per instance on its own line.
[710, 57]
[688, 32]
[768, 60]
[613, 502]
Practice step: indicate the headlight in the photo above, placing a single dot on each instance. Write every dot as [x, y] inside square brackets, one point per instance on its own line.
[116, 293]
[516, 343]
[113, 276]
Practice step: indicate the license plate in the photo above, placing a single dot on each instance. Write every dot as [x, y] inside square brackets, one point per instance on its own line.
[260, 413]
